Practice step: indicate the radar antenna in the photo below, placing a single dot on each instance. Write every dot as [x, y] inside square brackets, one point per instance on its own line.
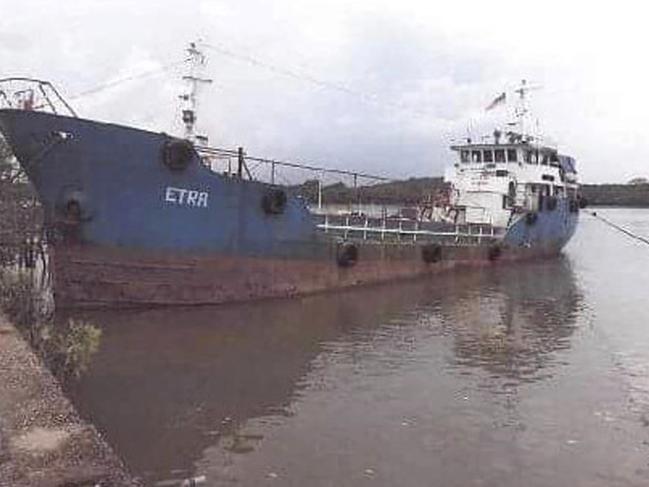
[193, 79]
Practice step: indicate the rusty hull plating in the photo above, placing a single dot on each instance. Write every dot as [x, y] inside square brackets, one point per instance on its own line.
[135, 218]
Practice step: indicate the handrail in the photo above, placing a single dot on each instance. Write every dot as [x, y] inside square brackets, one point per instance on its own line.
[43, 86]
[276, 162]
[364, 228]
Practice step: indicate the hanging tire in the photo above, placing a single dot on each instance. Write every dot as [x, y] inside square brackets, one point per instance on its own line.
[583, 202]
[573, 206]
[494, 252]
[431, 253]
[530, 218]
[177, 154]
[73, 207]
[274, 201]
[73, 212]
[347, 254]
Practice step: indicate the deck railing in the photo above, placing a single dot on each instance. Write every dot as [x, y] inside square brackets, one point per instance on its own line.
[403, 230]
[33, 94]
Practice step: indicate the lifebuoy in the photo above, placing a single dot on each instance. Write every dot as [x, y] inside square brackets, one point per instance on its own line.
[274, 201]
[431, 253]
[177, 154]
[347, 254]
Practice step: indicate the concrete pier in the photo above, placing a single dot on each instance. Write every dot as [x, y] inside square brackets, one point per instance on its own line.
[43, 441]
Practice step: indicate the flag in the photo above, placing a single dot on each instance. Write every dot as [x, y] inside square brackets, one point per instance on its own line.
[499, 100]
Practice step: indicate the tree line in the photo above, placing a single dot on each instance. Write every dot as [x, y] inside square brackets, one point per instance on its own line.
[21, 215]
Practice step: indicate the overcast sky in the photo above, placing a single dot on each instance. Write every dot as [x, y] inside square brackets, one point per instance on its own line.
[421, 71]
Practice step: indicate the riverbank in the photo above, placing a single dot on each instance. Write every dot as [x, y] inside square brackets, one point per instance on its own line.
[416, 190]
[620, 195]
[43, 440]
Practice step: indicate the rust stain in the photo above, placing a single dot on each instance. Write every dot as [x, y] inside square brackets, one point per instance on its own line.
[87, 276]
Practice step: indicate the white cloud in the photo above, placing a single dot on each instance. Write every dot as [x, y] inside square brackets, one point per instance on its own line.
[427, 67]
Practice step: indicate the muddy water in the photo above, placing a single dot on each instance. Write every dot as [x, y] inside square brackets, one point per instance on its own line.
[534, 374]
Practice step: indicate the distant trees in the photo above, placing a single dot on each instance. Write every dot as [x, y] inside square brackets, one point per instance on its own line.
[6, 165]
[411, 191]
[632, 195]
[21, 216]
[635, 181]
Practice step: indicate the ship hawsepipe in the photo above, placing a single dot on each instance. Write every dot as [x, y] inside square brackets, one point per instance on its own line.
[135, 218]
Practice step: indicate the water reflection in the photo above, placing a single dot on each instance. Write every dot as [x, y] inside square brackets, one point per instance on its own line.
[169, 384]
[508, 322]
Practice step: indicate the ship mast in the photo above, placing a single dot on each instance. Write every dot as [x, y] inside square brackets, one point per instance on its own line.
[522, 111]
[193, 80]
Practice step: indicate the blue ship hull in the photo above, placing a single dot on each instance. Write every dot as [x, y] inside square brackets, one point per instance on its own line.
[127, 229]
[550, 229]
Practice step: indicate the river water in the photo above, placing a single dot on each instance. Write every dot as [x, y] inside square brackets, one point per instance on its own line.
[531, 374]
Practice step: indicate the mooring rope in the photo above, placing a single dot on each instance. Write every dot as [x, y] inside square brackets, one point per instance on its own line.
[619, 228]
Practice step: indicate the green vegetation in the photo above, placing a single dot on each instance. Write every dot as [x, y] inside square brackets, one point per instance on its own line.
[410, 191]
[24, 295]
[633, 194]
[639, 181]
[66, 348]
[418, 190]
[21, 216]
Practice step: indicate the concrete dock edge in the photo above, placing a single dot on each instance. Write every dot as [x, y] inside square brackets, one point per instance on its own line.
[43, 440]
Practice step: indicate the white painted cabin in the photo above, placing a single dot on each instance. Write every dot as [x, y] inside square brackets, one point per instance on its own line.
[493, 180]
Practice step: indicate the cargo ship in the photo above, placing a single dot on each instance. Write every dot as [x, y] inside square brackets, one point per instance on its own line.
[139, 218]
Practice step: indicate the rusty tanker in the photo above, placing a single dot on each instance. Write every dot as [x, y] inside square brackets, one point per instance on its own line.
[139, 218]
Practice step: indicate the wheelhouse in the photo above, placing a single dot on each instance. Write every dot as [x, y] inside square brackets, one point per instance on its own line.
[474, 154]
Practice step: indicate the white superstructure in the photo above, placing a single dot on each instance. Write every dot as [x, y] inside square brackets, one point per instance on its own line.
[510, 172]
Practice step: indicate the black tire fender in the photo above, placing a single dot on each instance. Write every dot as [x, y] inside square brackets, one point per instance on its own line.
[431, 253]
[494, 253]
[583, 202]
[177, 154]
[73, 206]
[573, 206]
[274, 201]
[346, 254]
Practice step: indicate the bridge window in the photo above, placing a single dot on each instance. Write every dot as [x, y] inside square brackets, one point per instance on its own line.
[532, 156]
[476, 156]
[545, 159]
[488, 156]
[512, 155]
[465, 156]
[500, 155]
[554, 159]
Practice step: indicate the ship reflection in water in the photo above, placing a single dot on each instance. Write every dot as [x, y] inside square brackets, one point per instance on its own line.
[321, 390]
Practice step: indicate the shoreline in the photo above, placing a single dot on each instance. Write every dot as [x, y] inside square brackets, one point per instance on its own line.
[43, 440]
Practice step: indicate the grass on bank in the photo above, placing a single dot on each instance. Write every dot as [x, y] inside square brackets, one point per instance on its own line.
[65, 348]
